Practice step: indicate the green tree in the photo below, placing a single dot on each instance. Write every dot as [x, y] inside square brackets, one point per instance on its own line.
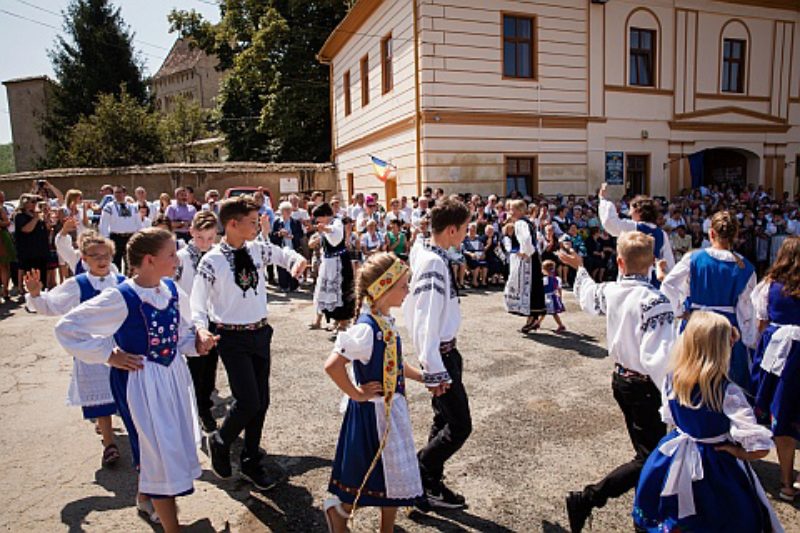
[7, 158]
[95, 57]
[185, 123]
[121, 132]
[274, 104]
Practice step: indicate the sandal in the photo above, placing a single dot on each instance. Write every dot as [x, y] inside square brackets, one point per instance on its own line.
[110, 455]
[146, 508]
[314, 326]
[561, 329]
[335, 504]
[527, 328]
[787, 494]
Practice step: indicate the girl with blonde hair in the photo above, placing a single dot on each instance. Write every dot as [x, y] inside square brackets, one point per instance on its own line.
[776, 365]
[699, 477]
[375, 463]
[90, 387]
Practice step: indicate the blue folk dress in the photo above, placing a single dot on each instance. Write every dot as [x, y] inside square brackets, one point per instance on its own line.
[776, 365]
[716, 285]
[552, 300]
[688, 485]
[395, 481]
[157, 403]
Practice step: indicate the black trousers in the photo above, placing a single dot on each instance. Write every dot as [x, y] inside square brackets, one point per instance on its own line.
[204, 377]
[286, 281]
[640, 402]
[246, 356]
[452, 423]
[120, 246]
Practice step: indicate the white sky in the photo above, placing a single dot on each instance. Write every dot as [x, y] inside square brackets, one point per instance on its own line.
[24, 42]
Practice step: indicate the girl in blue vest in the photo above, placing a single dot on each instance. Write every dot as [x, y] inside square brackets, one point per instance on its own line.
[139, 328]
[89, 386]
[644, 217]
[720, 280]
[552, 294]
[376, 462]
[699, 477]
[776, 365]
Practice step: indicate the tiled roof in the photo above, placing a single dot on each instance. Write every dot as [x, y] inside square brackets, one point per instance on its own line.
[180, 58]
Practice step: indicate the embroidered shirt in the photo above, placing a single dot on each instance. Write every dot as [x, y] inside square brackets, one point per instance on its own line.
[119, 217]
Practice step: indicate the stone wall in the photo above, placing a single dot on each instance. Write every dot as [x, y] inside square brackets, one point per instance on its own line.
[165, 178]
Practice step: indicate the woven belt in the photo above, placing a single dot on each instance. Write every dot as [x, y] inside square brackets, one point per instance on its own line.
[446, 347]
[243, 327]
[630, 374]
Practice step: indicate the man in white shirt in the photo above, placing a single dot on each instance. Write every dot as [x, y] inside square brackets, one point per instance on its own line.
[229, 292]
[406, 209]
[433, 316]
[357, 208]
[119, 220]
[141, 201]
[420, 212]
[640, 332]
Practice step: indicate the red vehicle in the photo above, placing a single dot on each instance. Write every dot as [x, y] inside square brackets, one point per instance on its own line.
[239, 191]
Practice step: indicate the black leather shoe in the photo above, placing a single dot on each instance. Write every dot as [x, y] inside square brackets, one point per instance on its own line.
[220, 456]
[578, 511]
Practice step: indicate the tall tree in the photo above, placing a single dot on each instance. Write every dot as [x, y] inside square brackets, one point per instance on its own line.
[95, 57]
[120, 132]
[274, 103]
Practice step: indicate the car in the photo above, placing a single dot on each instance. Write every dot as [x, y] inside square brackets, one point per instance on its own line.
[239, 191]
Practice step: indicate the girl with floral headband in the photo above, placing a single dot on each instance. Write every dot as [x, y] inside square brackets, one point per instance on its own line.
[376, 463]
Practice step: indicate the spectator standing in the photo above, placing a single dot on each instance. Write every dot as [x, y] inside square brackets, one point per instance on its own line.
[181, 213]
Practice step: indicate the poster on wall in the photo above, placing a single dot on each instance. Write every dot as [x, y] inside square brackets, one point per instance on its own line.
[289, 185]
[615, 174]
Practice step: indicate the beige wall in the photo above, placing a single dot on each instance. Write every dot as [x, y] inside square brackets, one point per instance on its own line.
[164, 178]
[580, 105]
[27, 103]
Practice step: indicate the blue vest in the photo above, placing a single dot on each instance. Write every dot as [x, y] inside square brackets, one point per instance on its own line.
[149, 331]
[87, 291]
[550, 285]
[79, 269]
[658, 249]
[717, 283]
[373, 371]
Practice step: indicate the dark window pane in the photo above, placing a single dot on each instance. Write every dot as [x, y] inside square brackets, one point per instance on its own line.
[736, 49]
[509, 27]
[524, 166]
[524, 66]
[644, 70]
[509, 59]
[634, 39]
[524, 28]
[634, 76]
[511, 166]
[645, 40]
[734, 79]
[725, 79]
[726, 49]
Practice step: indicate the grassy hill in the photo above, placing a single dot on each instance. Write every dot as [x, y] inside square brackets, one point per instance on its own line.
[6, 159]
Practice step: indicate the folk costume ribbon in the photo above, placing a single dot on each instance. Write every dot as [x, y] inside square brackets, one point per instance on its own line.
[391, 364]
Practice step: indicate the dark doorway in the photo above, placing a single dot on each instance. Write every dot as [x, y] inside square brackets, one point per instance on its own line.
[725, 168]
[637, 174]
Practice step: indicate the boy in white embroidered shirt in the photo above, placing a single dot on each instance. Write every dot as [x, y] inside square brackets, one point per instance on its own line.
[229, 292]
[203, 369]
[433, 316]
[640, 336]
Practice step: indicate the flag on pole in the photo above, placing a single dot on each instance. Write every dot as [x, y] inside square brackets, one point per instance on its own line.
[382, 169]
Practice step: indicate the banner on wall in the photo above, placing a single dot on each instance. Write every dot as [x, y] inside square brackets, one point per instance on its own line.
[615, 170]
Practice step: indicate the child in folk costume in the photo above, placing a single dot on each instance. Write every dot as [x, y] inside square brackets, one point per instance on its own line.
[644, 215]
[203, 369]
[229, 292]
[141, 328]
[375, 462]
[720, 280]
[776, 365]
[333, 294]
[89, 387]
[433, 317]
[552, 295]
[699, 479]
[68, 253]
[640, 334]
[524, 293]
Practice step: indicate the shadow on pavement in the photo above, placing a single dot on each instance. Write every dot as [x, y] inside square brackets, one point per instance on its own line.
[456, 520]
[585, 345]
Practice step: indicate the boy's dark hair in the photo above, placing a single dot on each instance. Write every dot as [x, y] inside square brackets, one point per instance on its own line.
[647, 208]
[448, 212]
[322, 210]
[236, 208]
[204, 220]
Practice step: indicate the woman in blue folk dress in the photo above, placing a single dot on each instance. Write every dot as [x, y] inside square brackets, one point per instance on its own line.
[699, 477]
[720, 280]
[776, 365]
[376, 462]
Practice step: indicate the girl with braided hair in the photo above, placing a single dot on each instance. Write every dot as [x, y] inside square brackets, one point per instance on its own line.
[375, 464]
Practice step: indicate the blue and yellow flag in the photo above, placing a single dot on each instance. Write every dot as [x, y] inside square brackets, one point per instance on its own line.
[382, 169]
